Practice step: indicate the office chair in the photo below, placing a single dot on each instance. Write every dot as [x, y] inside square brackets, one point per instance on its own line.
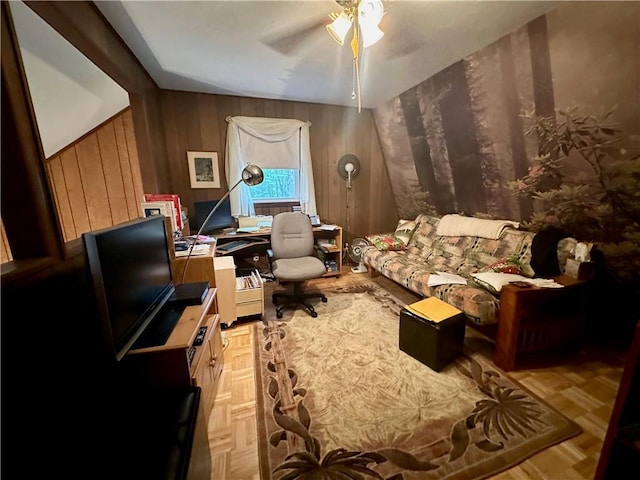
[292, 260]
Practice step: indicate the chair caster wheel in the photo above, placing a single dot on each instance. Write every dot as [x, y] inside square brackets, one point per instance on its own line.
[324, 299]
[279, 314]
[314, 314]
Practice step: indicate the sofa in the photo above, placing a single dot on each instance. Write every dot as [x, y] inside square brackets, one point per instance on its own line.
[546, 311]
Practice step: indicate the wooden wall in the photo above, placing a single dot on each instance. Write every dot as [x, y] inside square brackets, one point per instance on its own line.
[96, 182]
[5, 249]
[100, 180]
[197, 122]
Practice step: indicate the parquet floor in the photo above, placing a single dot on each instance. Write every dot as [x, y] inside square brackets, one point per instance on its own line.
[583, 386]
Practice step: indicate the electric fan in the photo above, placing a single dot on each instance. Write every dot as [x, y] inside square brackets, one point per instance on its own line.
[349, 167]
[355, 253]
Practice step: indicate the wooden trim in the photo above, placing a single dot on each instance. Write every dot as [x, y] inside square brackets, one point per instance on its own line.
[28, 213]
[82, 24]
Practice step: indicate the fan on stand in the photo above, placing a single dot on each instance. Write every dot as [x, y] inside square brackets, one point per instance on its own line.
[355, 253]
[349, 167]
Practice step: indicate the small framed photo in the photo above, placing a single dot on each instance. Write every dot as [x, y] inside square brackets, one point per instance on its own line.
[203, 169]
[152, 211]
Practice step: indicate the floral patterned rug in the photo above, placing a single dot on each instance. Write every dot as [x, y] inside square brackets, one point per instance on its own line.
[337, 399]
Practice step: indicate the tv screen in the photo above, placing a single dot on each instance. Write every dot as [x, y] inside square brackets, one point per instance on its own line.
[130, 271]
[220, 220]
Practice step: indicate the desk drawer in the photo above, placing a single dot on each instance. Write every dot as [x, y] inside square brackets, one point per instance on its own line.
[249, 308]
[248, 295]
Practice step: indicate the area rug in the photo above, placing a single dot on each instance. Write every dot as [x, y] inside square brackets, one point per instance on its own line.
[338, 399]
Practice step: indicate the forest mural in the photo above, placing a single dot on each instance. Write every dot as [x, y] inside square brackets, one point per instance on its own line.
[453, 142]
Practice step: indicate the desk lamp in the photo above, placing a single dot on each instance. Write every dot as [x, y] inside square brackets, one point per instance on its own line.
[251, 175]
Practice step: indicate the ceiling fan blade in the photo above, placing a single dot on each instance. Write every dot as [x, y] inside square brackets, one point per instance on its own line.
[398, 41]
[297, 37]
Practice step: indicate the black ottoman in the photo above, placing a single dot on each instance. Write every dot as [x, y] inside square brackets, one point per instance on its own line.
[432, 332]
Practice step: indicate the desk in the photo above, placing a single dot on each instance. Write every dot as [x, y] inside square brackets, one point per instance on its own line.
[252, 239]
[262, 239]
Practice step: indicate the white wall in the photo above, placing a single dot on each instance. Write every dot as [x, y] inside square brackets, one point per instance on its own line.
[70, 95]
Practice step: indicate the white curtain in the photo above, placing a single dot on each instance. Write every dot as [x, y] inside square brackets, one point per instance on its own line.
[268, 143]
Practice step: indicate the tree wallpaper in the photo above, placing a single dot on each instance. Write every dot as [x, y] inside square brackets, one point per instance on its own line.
[453, 142]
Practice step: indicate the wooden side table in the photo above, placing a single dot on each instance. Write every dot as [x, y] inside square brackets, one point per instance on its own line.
[534, 319]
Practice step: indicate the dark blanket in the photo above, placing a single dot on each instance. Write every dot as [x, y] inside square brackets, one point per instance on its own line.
[544, 256]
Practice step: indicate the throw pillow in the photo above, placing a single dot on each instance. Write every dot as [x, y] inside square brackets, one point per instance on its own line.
[510, 264]
[494, 281]
[404, 230]
[386, 242]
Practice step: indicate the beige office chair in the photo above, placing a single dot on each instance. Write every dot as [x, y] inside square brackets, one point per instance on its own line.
[292, 260]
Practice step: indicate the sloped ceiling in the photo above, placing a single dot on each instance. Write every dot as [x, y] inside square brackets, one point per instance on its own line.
[281, 50]
[264, 49]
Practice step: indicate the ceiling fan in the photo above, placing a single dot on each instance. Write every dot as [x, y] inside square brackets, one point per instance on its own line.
[362, 18]
[359, 23]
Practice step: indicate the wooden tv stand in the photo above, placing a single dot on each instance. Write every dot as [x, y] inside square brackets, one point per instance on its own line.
[175, 365]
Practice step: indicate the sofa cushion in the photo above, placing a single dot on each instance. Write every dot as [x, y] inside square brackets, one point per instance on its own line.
[511, 264]
[408, 270]
[423, 236]
[386, 242]
[486, 251]
[405, 230]
[494, 281]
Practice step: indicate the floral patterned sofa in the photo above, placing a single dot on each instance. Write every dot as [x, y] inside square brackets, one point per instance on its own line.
[415, 251]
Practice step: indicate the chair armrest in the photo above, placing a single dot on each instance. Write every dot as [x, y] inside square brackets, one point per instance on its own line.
[269, 253]
[518, 305]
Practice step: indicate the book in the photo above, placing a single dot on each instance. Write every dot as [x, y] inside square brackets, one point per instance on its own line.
[433, 309]
[168, 197]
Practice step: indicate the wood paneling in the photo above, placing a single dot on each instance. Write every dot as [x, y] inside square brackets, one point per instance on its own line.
[124, 164]
[197, 122]
[5, 248]
[96, 181]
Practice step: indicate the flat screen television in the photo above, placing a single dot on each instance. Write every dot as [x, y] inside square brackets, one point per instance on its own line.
[130, 276]
[220, 220]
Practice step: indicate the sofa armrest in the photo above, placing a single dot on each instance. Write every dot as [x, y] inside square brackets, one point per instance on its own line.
[520, 306]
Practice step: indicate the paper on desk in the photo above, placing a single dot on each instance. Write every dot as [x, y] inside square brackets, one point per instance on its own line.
[328, 226]
[544, 282]
[445, 278]
[198, 249]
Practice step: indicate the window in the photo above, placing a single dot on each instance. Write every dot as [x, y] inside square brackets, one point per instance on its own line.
[279, 185]
[277, 144]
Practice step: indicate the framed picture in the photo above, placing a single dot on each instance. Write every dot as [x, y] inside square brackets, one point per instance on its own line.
[203, 169]
[161, 208]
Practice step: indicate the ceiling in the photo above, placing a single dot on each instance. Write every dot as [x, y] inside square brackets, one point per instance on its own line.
[281, 49]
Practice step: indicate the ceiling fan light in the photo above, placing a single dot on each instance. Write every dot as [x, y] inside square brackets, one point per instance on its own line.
[370, 12]
[370, 34]
[339, 28]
